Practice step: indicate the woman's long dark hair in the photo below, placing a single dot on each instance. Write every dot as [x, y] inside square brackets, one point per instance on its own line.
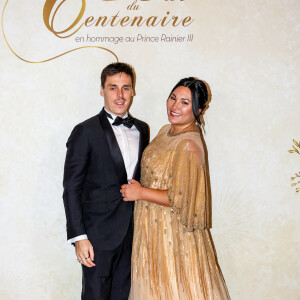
[199, 92]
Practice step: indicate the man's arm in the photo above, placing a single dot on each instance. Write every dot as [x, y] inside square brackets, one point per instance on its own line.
[78, 238]
[74, 176]
[75, 169]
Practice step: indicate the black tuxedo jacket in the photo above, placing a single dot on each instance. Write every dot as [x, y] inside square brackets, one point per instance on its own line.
[93, 174]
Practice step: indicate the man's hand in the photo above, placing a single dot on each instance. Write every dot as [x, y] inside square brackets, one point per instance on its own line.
[85, 253]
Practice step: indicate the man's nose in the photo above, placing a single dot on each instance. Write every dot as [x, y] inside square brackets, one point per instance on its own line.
[120, 93]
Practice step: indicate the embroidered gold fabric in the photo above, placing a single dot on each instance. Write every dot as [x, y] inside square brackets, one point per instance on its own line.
[173, 254]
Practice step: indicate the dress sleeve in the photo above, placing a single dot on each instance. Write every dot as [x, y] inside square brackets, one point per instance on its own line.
[188, 194]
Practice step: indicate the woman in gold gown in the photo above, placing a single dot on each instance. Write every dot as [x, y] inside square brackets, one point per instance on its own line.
[173, 256]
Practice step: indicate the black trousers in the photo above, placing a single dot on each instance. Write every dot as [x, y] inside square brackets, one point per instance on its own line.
[111, 278]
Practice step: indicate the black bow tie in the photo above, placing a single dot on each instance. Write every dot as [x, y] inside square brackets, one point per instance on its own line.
[128, 122]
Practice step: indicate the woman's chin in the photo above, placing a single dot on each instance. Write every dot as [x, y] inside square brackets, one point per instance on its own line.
[173, 120]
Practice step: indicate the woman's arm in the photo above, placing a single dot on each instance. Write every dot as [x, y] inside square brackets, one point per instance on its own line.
[135, 191]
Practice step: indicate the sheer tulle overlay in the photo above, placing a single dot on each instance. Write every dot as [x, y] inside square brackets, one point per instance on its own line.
[173, 254]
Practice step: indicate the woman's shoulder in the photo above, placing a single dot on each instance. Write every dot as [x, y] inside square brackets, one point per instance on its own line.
[191, 146]
[164, 129]
[190, 142]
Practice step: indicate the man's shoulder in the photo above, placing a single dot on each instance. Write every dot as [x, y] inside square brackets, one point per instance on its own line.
[144, 126]
[90, 122]
[142, 123]
[86, 126]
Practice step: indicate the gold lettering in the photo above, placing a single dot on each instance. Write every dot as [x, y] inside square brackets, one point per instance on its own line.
[49, 7]
[133, 6]
[164, 20]
[151, 23]
[140, 21]
[175, 18]
[114, 18]
[103, 21]
[187, 20]
[124, 21]
[88, 20]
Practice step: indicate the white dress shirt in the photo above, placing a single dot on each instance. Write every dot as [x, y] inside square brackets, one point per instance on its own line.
[128, 140]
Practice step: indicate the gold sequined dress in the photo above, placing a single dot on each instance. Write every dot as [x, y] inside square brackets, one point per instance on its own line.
[173, 255]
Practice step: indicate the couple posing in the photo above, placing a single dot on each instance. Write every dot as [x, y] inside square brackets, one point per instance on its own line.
[171, 253]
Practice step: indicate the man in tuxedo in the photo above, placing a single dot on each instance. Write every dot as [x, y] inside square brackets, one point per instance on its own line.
[103, 153]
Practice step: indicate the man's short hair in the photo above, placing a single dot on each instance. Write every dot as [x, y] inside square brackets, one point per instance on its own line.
[116, 68]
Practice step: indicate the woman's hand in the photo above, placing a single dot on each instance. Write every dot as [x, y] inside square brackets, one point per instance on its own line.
[132, 191]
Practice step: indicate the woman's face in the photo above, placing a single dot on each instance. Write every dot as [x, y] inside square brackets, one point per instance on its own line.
[179, 107]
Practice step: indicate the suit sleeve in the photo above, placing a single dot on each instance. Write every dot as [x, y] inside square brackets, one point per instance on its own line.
[75, 170]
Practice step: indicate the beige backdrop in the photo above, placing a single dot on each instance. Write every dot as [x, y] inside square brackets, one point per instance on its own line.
[248, 51]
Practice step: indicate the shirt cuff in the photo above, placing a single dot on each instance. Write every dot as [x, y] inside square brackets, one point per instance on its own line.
[78, 238]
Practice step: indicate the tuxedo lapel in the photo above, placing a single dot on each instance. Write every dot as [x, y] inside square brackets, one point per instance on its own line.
[142, 146]
[114, 148]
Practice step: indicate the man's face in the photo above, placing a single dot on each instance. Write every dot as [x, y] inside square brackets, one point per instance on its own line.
[117, 93]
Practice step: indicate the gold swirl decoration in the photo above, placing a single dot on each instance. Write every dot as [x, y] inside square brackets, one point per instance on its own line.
[296, 149]
[52, 58]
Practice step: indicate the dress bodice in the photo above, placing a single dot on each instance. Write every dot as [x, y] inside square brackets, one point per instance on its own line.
[176, 163]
